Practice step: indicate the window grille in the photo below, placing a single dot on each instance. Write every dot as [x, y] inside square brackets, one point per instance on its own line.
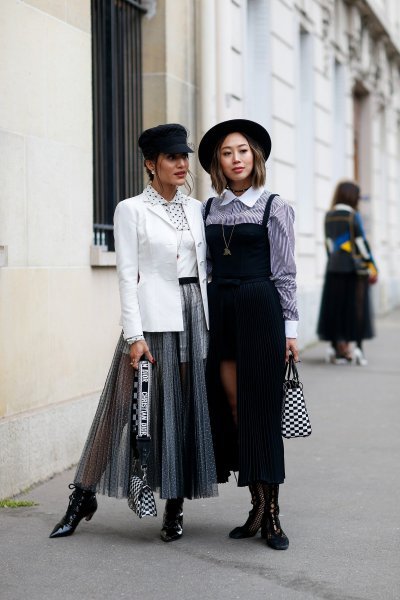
[117, 109]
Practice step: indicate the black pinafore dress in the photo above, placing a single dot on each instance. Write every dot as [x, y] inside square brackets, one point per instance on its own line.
[246, 325]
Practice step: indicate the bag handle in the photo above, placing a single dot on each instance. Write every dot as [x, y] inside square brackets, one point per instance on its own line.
[291, 373]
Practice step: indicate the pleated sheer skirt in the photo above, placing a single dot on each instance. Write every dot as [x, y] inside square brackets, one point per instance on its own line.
[345, 312]
[255, 448]
[181, 463]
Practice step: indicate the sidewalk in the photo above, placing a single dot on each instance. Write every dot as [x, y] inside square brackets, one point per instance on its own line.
[339, 507]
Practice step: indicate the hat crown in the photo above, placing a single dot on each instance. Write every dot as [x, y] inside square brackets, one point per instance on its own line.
[213, 136]
[171, 137]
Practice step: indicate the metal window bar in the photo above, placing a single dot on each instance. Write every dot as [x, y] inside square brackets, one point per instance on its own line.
[117, 109]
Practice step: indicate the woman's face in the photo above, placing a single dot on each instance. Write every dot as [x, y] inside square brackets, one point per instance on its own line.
[171, 169]
[237, 160]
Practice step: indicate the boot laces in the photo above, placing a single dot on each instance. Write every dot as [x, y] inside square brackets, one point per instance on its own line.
[272, 513]
[76, 499]
[254, 520]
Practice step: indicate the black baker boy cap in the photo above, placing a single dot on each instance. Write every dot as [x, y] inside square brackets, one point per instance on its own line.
[168, 139]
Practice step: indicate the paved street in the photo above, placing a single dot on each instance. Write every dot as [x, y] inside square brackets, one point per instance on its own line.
[340, 508]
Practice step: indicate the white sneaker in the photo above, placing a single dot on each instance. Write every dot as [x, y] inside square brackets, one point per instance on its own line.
[330, 355]
[359, 358]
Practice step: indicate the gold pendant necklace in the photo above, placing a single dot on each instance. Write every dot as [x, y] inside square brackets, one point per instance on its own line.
[227, 252]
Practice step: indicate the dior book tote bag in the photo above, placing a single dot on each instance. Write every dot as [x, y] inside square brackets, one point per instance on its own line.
[295, 420]
[140, 497]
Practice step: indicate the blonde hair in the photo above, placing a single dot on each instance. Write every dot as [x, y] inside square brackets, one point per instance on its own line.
[218, 179]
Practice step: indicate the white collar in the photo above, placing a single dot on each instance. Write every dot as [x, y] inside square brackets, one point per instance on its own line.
[155, 198]
[249, 198]
[340, 206]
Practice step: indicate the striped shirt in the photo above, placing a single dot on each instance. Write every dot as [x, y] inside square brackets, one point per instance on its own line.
[249, 208]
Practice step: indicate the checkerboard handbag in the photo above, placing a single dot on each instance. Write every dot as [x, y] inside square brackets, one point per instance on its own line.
[295, 420]
[140, 496]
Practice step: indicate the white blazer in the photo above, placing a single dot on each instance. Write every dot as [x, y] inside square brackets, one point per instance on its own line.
[146, 251]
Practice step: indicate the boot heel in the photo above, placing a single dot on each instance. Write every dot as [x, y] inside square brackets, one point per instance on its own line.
[82, 505]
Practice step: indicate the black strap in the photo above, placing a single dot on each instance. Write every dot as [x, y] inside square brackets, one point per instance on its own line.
[144, 391]
[268, 209]
[207, 208]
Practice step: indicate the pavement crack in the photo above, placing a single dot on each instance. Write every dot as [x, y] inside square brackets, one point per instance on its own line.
[300, 582]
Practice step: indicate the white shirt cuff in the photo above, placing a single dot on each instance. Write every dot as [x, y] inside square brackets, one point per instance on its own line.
[291, 329]
[133, 339]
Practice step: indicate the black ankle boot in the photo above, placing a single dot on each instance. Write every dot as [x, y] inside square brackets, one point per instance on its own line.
[271, 528]
[82, 504]
[253, 523]
[172, 527]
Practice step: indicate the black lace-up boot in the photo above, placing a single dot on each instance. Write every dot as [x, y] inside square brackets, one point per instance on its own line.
[271, 528]
[82, 504]
[253, 523]
[172, 527]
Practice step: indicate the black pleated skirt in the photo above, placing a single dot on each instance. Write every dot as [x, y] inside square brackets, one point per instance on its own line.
[246, 325]
[345, 313]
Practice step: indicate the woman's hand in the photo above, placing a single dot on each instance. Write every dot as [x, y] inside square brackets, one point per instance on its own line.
[373, 278]
[137, 350]
[291, 347]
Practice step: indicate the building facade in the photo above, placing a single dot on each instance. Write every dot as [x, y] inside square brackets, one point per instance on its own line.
[322, 75]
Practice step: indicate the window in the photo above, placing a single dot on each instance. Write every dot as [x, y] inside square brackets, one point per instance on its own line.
[339, 123]
[117, 109]
[305, 132]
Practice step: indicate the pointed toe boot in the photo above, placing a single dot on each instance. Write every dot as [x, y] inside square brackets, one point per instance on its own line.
[172, 527]
[82, 505]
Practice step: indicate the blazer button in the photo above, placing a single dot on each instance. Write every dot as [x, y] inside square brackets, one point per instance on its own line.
[199, 244]
[203, 280]
[202, 262]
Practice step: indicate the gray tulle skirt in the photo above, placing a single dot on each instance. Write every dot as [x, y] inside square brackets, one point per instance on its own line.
[182, 460]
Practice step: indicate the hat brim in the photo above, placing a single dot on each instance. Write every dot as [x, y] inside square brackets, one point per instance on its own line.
[213, 136]
[177, 149]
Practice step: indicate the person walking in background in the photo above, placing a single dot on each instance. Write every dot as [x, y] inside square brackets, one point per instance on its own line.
[253, 318]
[161, 263]
[345, 313]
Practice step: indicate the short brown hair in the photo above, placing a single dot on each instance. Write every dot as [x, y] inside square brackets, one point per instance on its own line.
[218, 179]
[346, 192]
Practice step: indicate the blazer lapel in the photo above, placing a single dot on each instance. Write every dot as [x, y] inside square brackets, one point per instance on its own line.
[159, 210]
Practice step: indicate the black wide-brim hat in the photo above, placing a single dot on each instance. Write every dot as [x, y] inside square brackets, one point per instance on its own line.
[213, 136]
[170, 138]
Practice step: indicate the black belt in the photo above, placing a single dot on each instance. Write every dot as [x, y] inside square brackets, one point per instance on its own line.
[237, 281]
[184, 280]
